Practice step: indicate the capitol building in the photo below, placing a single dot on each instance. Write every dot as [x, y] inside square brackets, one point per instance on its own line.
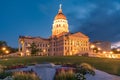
[61, 42]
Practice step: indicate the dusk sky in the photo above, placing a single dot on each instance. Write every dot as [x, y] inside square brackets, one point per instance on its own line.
[99, 19]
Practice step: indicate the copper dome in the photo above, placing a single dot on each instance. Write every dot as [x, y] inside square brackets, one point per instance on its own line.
[60, 15]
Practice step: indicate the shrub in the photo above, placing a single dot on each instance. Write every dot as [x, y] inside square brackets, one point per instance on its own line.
[16, 67]
[1, 68]
[79, 76]
[5, 74]
[65, 75]
[25, 76]
[70, 75]
[84, 69]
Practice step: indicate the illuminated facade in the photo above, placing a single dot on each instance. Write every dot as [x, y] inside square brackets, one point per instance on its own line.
[60, 24]
[103, 45]
[26, 41]
[60, 43]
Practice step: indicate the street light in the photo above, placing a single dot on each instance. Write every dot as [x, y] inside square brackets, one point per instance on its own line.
[118, 50]
[4, 48]
[111, 52]
[104, 52]
[99, 49]
[21, 54]
[92, 46]
[6, 51]
[27, 52]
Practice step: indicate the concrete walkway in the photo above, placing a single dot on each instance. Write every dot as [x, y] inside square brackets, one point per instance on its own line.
[100, 75]
[45, 73]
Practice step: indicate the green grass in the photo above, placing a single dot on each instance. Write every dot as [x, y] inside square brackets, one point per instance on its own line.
[111, 66]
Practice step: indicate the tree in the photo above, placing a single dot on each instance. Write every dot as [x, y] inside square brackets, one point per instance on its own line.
[116, 51]
[34, 49]
[12, 50]
[3, 43]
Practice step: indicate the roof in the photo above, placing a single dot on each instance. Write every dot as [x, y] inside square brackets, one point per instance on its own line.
[60, 16]
[29, 37]
[79, 34]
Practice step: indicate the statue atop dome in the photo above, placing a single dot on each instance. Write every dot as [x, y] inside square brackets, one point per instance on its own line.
[60, 14]
[60, 10]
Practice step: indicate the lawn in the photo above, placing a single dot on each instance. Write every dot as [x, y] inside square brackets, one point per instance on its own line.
[111, 66]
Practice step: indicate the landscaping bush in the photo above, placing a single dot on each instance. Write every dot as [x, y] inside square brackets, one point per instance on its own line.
[82, 70]
[1, 69]
[79, 76]
[15, 67]
[85, 68]
[77, 73]
[65, 75]
[25, 76]
[70, 75]
[5, 74]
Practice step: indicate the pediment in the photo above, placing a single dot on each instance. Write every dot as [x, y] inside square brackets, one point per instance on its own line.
[79, 34]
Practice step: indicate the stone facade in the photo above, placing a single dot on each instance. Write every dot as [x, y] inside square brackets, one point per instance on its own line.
[25, 45]
[69, 44]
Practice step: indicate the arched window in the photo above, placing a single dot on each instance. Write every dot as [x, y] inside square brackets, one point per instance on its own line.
[63, 25]
[59, 25]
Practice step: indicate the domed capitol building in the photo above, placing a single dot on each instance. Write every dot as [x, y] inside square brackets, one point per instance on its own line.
[60, 43]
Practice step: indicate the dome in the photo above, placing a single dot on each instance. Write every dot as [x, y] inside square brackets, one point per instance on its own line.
[60, 15]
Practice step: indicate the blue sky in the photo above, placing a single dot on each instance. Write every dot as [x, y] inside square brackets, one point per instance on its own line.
[99, 19]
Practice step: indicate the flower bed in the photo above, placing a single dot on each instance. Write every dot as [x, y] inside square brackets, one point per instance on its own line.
[74, 73]
[25, 76]
[65, 74]
[16, 67]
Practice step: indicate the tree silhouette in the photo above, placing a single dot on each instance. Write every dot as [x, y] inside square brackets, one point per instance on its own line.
[3, 43]
[34, 49]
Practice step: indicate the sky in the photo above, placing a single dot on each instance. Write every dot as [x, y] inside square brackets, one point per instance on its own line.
[98, 19]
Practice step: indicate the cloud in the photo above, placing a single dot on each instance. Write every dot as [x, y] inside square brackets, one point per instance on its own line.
[99, 20]
[83, 12]
[117, 5]
[115, 8]
[116, 44]
[79, 14]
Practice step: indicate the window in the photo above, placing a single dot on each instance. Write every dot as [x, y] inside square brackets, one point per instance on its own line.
[59, 25]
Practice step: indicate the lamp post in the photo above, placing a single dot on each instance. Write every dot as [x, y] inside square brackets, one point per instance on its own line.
[111, 52]
[99, 49]
[92, 47]
[3, 48]
[6, 51]
[104, 52]
[118, 50]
